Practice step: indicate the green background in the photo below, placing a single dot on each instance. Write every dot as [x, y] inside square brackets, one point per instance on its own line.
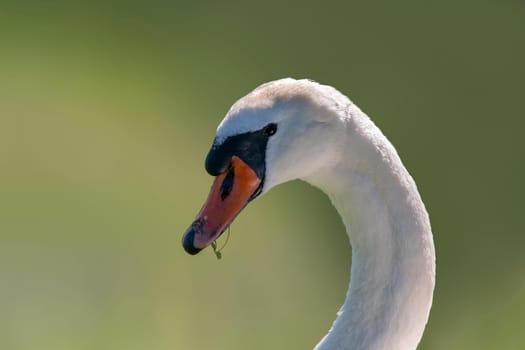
[107, 110]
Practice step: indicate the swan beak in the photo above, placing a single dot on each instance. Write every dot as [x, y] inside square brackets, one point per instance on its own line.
[229, 194]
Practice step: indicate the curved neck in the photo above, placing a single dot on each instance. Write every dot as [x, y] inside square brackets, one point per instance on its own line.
[393, 260]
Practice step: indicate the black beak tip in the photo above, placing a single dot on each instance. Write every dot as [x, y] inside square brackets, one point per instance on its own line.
[187, 242]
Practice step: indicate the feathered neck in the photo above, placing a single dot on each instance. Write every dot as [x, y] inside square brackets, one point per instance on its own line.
[393, 260]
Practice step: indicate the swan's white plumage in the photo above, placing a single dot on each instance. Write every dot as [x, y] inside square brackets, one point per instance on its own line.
[326, 140]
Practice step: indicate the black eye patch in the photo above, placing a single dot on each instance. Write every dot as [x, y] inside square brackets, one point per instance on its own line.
[249, 146]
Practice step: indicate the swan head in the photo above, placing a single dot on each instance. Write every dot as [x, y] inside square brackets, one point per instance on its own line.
[283, 130]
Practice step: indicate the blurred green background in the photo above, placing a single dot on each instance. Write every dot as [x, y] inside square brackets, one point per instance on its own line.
[108, 108]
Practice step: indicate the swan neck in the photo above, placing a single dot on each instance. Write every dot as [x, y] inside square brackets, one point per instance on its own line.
[393, 261]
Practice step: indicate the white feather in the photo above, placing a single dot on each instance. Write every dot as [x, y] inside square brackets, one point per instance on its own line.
[326, 140]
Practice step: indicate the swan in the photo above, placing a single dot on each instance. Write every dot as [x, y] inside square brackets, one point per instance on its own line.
[299, 129]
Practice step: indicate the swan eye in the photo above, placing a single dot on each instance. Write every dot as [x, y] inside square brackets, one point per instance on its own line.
[270, 129]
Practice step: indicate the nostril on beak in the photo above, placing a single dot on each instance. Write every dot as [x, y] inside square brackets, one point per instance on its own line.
[227, 184]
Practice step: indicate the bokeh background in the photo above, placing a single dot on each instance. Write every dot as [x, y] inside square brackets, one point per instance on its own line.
[108, 108]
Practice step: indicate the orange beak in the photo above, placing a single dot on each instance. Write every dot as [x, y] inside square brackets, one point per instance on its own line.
[229, 194]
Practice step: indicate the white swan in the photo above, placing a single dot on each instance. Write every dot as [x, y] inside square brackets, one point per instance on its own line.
[290, 129]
